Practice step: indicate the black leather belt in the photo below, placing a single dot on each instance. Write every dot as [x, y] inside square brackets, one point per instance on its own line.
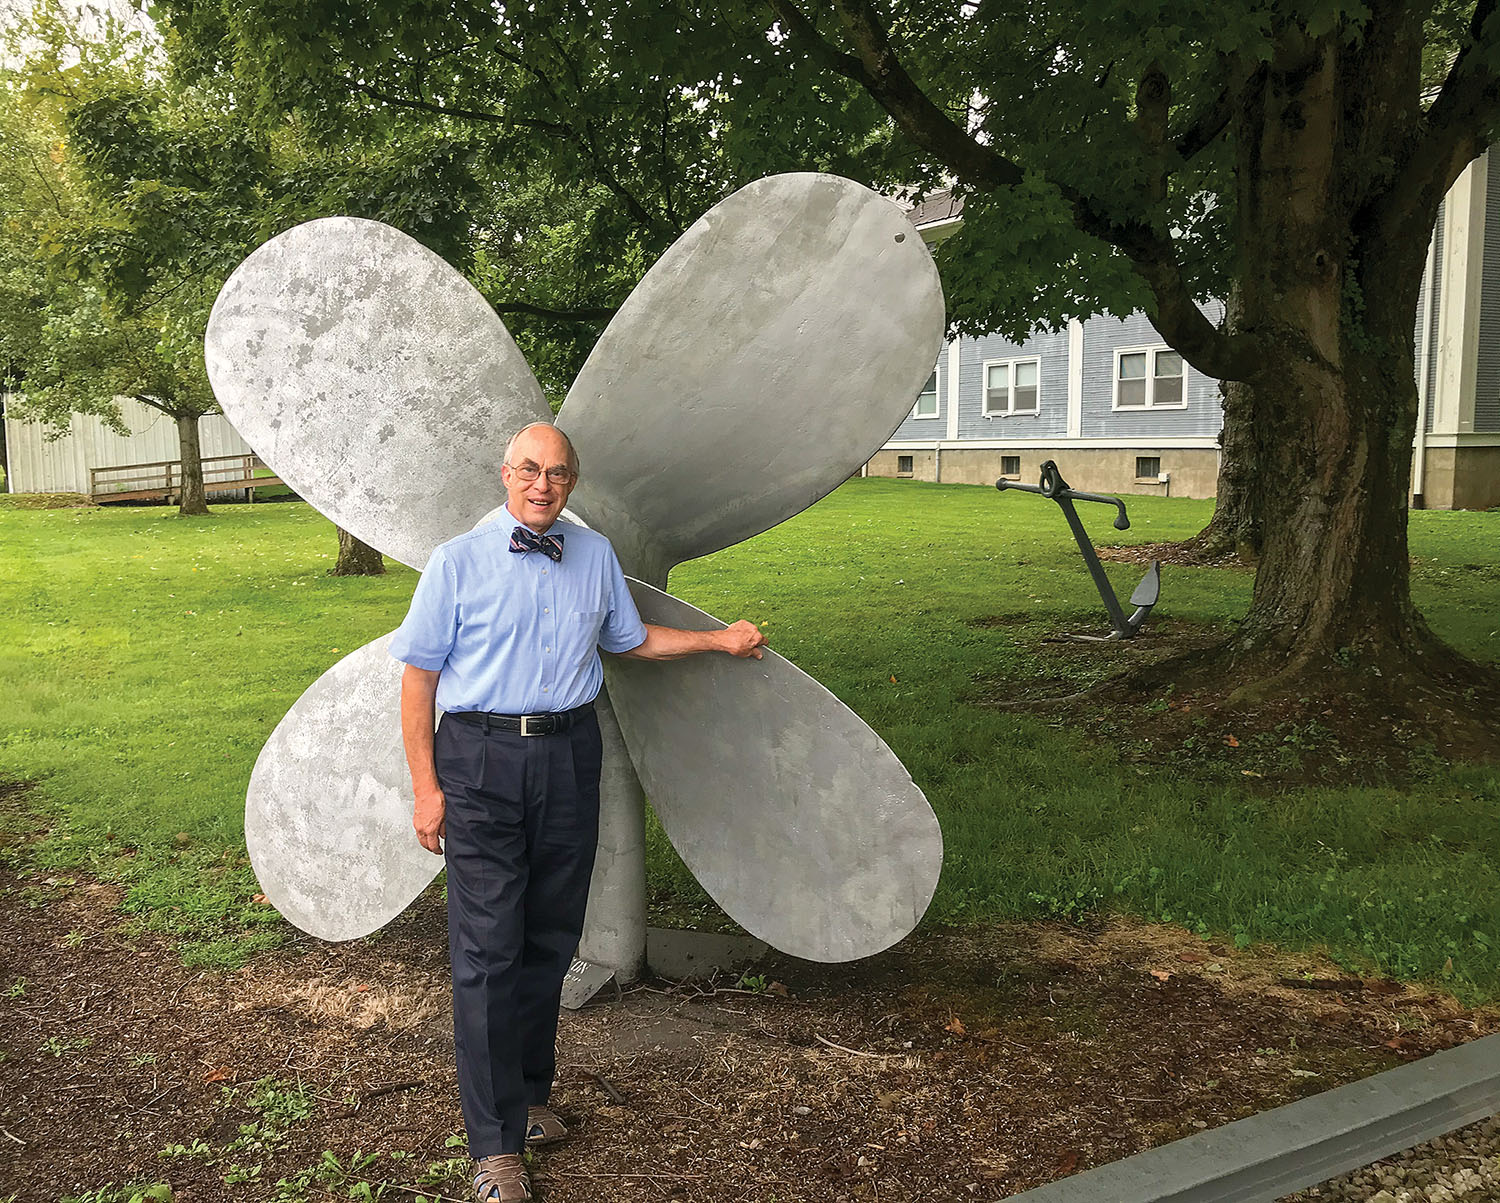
[525, 724]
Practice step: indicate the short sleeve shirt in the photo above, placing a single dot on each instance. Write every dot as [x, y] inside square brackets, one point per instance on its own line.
[518, 633]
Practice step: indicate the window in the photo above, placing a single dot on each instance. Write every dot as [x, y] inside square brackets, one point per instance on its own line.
[903, 465]
[1149, 378]
[1147, 467]
[1010, 465]
[927, 402]
[1010, 387]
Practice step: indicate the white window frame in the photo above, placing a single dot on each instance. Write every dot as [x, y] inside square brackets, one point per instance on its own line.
[1010, 387]
[1151, 352]
[937, 399]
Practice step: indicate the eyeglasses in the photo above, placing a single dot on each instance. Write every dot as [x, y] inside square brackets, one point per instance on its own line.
[557, 474]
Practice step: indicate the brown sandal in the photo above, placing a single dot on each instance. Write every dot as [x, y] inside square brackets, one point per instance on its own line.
[543, 1127]
[502, 1178]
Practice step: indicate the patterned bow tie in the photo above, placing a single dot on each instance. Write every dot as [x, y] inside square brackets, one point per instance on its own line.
[524, 539]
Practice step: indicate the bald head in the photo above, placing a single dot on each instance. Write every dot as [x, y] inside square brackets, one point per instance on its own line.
[543, 430]
[539, 472]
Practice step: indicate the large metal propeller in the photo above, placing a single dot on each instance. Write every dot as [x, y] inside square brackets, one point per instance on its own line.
[755, 367]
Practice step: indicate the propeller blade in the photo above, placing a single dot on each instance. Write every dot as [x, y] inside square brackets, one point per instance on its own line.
[328, 812]
[793, 814]
[373, 378]
[762, 360]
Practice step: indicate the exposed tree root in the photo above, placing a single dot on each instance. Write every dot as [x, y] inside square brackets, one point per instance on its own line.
[1346, 718]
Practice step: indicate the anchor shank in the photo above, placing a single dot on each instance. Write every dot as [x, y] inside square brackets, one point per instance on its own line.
[1096, 570]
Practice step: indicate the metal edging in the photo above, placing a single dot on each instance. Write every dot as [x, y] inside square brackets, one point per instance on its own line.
[1264, 1157]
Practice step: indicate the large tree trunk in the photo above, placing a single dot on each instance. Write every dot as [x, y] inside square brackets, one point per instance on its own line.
[1234, 529]
[191, 498]
[1331, 412]
[1334, 456]
[356, 558]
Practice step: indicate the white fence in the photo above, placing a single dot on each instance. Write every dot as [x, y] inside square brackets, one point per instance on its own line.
[33, 464]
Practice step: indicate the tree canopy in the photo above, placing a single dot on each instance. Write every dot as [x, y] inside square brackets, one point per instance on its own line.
[601, 135]
[1095, 143]
[141, 190]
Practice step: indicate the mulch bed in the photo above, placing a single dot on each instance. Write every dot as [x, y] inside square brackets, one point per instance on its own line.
[1163, 702]
[962, 1065]
[1180, 554]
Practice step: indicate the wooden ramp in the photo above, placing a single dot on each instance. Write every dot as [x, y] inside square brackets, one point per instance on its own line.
[162, 481]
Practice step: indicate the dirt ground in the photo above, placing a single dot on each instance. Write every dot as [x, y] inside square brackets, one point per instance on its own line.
[1180, 553]
[1156, 699]
[959, 1066]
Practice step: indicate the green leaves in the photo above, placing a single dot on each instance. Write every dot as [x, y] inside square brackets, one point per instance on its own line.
[143, 186]
[623, 121]
[109, 254]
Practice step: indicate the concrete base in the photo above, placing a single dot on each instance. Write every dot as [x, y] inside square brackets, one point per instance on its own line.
[909, 465]
[675, 954]
[1194, 470]
[670, 953]
[1462, 478]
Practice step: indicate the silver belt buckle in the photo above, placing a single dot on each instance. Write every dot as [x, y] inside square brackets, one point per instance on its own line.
[526, 724]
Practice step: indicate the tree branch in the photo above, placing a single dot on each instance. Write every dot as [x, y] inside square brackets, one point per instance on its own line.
[405, 102]
[1153, 101]
[46, 183]
[1455, 130]
[1178, 319]
[146, 301]
[159, 406]
[666, 177]
[801, 27]
[1203, 129]
[597, 313]
[876, 67]
[603, 172]
[879, 72]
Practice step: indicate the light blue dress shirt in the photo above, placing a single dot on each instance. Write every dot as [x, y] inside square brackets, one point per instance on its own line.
[517, 633]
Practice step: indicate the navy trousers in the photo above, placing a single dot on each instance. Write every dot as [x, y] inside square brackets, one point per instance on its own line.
[522, 825]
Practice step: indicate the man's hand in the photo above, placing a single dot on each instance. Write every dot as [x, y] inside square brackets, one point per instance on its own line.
[742, 639]
[429, 822]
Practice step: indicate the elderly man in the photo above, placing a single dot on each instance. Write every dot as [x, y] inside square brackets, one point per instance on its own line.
[504, 635]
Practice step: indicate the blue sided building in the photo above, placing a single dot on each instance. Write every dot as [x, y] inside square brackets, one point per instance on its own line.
[1121, 412]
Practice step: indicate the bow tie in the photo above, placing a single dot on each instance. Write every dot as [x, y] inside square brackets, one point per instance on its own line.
[524, 539]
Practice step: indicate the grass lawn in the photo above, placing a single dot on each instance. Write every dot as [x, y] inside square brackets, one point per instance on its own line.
[146, 657]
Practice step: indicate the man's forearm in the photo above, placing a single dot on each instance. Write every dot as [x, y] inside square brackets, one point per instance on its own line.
[418, 711]
[672, 643]
[418, 717]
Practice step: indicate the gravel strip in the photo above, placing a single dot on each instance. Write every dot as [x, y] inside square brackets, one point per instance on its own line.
[1462, 1165]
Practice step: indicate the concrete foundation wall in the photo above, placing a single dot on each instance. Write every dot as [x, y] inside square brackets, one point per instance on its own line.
[885, 464]
[1461, 478]
[1194, 471]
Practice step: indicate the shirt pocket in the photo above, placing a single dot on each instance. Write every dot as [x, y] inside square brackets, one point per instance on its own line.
[587, 622]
